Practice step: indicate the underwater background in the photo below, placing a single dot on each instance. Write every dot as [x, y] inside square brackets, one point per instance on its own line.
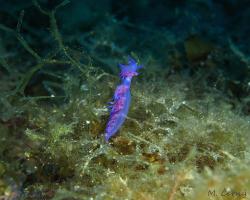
[187, 133]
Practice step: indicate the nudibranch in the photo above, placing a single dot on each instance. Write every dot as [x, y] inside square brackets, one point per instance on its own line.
[119, 106]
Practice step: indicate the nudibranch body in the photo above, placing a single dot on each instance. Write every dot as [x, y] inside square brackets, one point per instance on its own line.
[121, 100]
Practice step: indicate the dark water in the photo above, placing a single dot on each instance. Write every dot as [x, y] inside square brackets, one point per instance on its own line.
[189, 110]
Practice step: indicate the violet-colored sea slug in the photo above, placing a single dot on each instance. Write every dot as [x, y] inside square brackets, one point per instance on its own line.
[121, 100]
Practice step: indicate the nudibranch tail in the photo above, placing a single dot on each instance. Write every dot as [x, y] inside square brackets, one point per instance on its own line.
[121, 99]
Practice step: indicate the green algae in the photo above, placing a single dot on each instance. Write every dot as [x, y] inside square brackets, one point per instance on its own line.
[175, 152]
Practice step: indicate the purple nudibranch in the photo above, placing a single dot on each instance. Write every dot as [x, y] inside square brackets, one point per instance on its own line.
[121, 100]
